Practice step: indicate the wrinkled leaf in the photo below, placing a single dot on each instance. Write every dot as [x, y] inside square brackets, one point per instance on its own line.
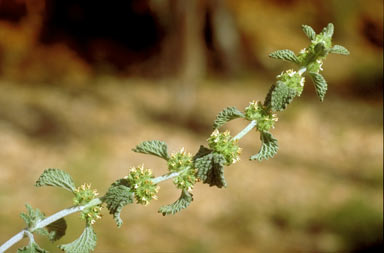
[56, 177]
[226, 115]
[311, 34]
[337, 49]
[320, 85]
[183, 202]
[269, 147]
[84, 244]
[157, 148]
[118, 196]
[286, 55]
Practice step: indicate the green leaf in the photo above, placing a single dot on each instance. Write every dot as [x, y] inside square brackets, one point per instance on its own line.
[183, 202]
[311, 34]
[269, 147]
[32, 216]
[216, 174]
[226, 115]
[57, 229]
[157, 148]
[118, 196]
[32, 248]
[337, 49]
[279, 97]
[85, 243]
[203, 162]
[56, 177]
[286, 55]
[329, 30]
[320, 84]
[210, 167]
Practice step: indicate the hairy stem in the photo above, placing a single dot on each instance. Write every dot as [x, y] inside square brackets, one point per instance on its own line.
[243, 132]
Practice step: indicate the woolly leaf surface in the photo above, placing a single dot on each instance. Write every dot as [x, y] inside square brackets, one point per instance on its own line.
[56, 177]
[286, 55]
[215, 176]
[156, 148]
[337, 49]
[118, 196]
[320, 85]
[269, 147]
[85, 243]
[279, 97]
[311, 34]
[226, 115]
[183, 202]
[32, 216]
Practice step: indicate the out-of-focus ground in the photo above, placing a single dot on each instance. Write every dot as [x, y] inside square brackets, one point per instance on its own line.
[323, 192]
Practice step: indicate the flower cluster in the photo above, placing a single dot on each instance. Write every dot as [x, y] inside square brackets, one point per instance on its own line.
[83, 195]
[140, 180]
[182, 161]
[264, 117]
[224, 144]
[293, 80]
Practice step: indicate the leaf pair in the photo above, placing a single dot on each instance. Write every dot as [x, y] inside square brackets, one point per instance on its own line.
[87, 241]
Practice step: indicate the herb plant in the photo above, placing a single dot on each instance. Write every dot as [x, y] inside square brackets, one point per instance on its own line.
[206, 166]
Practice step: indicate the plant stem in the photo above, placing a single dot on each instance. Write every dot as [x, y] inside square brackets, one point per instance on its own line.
[13, 240]
[49, 220]
[243, 132]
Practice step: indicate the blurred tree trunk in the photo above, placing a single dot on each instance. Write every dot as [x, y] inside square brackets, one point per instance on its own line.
[226, 37]
[185, 47]
[190, 25]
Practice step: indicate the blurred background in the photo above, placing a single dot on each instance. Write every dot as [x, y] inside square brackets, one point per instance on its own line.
[83, 82]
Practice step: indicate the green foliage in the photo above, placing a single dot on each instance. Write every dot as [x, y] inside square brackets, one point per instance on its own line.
[337, 49]
[215, 176]
[320, 85]
[269, 147]
[264, 117]
[56, 177]
[156, 148]
[140, 181]
[286, 55]
[203, 162]
[32, 248]
[224, 144]
[206, 166]
[32, 216]
[226, 115]
[118, 196]
[279, 97]
[210, 167]
[85, 243]
[181, 203]
[311, 34]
